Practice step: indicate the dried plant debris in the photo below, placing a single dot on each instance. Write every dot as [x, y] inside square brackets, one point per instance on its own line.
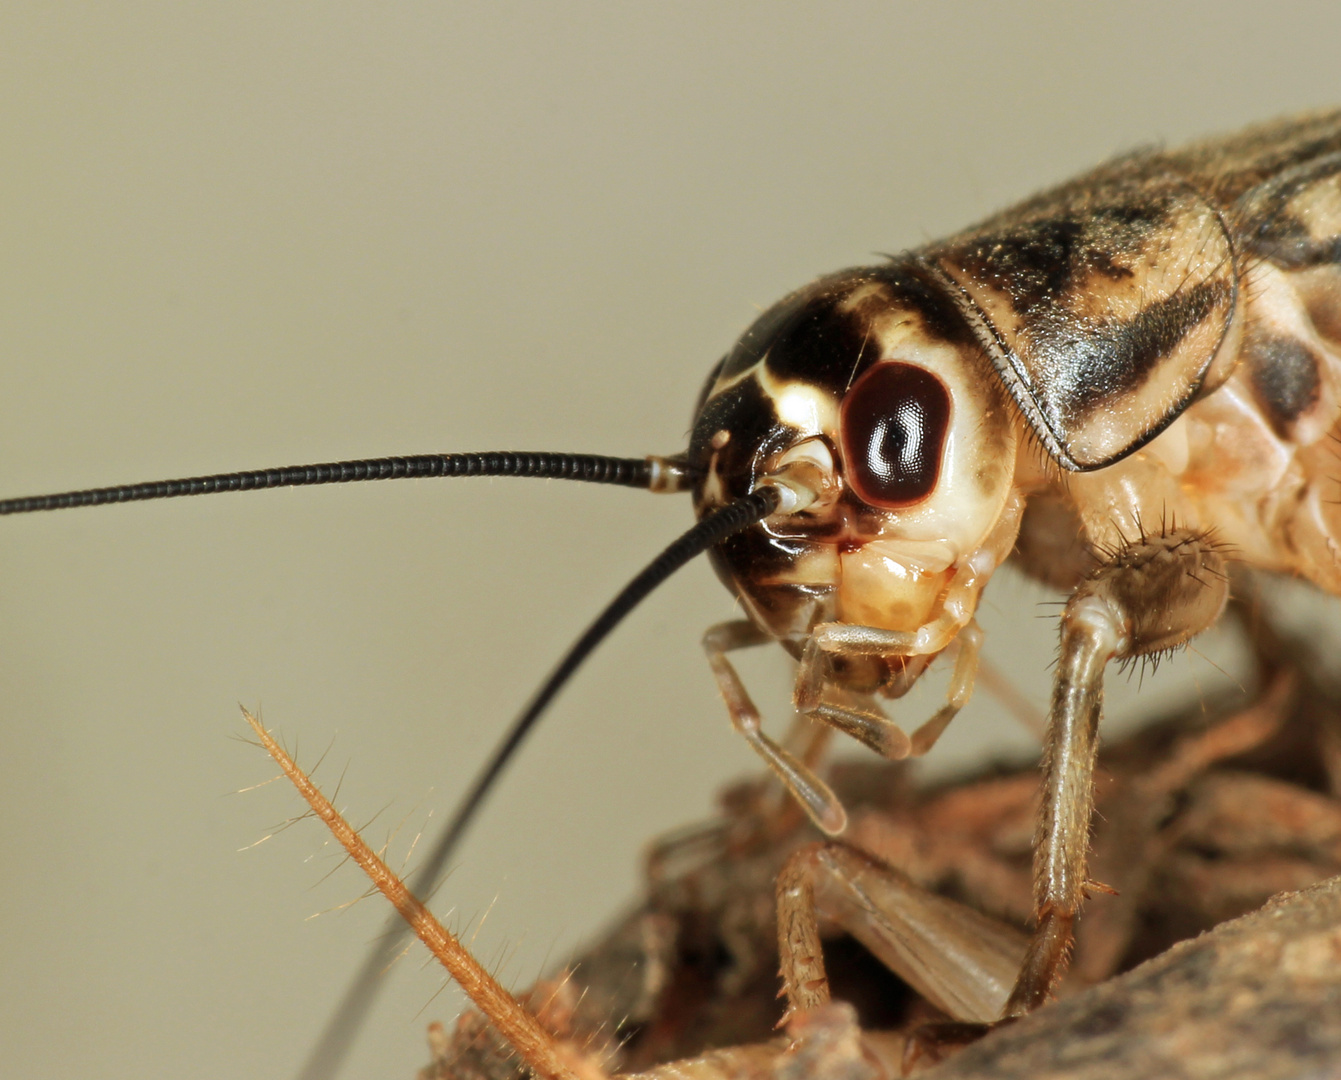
[1201, 818]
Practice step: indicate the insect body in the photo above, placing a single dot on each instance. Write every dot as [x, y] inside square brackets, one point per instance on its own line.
[1126, 380]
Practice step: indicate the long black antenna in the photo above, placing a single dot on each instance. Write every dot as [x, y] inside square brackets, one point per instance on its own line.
[344, 1024]
[655, 474]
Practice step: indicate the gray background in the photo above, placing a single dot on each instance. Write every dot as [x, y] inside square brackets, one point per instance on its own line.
[240, 235]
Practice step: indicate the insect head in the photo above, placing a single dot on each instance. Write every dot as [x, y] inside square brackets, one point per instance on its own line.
[866, 395]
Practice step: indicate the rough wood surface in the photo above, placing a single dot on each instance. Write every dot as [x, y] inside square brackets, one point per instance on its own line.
[1258, 997]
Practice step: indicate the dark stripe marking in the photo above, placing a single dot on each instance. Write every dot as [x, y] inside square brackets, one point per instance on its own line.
[1286, 378]
[1300, 254]
[1096, 368]
[1036, 263]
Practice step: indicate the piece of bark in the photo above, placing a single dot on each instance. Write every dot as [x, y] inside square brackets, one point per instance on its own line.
[1258, 998]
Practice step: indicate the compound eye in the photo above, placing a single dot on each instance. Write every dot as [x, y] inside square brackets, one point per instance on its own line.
[894, 423]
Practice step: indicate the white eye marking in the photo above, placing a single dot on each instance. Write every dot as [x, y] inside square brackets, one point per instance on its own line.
[815, 451]
[800, 407]
[804, 477]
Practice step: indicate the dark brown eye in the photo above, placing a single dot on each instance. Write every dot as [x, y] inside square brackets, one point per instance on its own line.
[894, 422]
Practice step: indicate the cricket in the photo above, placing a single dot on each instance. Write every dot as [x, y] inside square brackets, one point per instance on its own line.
[1129, 385]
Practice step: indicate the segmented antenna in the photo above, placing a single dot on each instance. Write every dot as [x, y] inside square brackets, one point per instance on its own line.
[657, 474]
[343, 1026]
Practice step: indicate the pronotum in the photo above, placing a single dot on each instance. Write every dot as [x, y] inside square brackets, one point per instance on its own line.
[93, 550]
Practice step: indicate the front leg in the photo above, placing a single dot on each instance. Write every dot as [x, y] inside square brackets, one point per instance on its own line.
[860, 716]
[812, 793]
[1150, 596]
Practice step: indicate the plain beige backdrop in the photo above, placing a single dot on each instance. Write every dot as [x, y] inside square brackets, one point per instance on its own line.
[240, 235]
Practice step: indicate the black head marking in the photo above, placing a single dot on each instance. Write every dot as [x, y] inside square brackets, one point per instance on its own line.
[789, 317]
[806, 335]
[822, 334]
[708, 384]
[912, 284]
[822, 345]
[747, 414]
